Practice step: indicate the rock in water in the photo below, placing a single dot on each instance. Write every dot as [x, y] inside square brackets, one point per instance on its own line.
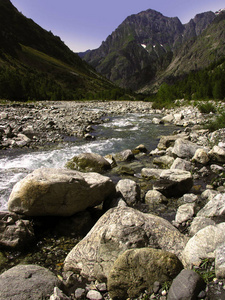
[136, 270]
[25, 282]
[88, 162]
[118, 230]
[59, 192]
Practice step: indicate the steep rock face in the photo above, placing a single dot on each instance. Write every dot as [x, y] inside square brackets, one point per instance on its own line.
[198, 24]
[142, 46]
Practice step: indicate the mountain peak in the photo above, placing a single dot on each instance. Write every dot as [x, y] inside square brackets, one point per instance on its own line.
[143, 46]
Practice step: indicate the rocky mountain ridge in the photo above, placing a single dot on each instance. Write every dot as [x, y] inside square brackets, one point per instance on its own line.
[138, 52]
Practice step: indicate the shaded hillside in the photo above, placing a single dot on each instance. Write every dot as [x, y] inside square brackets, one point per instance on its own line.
[143, 46]
[35, 64]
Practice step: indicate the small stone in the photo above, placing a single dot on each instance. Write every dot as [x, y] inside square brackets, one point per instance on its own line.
[79, 293]
[94, 295]
[156, 287]
[101, 287]
[202, 295]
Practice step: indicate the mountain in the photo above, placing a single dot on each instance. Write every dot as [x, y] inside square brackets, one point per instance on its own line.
[144, 46]
[35, 64]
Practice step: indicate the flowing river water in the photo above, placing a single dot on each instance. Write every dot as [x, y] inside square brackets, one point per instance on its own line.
[117, 134]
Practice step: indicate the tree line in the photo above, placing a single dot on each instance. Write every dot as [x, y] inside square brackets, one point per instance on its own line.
[208, 83]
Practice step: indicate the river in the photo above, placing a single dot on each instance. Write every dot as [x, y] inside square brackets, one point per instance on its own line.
[117, 134]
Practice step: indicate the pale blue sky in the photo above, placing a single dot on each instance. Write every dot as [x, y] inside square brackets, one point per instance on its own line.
[85, 24]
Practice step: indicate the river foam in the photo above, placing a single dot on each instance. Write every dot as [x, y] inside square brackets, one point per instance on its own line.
[120, 133]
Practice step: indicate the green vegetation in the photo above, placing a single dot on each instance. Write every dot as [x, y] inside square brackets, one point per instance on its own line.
[208, 83]
[217, 123]
[206, 270]
[206, 108]
[36, 65]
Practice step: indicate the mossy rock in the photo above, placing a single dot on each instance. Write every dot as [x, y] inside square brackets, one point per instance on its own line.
[136, 270]
[124, 170]
[88, 162]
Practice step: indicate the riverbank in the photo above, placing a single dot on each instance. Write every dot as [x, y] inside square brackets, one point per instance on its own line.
[186, 161]
[46, 124]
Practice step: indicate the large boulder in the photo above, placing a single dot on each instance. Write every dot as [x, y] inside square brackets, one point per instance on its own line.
[184, 148]
[14, 231]
[88, 162]
[203, 244]
[136, 270]
[24, 282]
[59, 192]
[174, 183]
[118, 230]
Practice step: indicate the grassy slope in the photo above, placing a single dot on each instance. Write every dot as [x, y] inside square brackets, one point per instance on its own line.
[26, 48]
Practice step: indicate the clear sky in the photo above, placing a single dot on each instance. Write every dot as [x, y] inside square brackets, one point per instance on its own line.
[84, 24]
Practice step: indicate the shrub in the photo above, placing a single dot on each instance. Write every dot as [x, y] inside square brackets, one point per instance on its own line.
[218, 123]
[206, 108]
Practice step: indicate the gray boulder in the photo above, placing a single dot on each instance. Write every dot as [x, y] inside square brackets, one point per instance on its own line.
[27, 282]
[59, 192]
[129, 190]
[203, 244]
[217, 154]
[209, 194]
[185, 212]
[167, 119]
[181, 164]
[136, 270]
[88, 162]
[214, 209]
[14, 231]
[199, 223]
[154, 198]
[220, 261]
[201, 156]
[174, 183]
[118, 230]
[125, 155]
[186, 286]
[184, 148]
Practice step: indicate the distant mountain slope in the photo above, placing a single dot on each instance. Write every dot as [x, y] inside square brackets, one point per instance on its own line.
[36, 64]
[143, 47]
[194, 54]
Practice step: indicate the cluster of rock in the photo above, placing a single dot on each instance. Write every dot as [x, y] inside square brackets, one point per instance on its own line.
[36, 125]
[128, 253]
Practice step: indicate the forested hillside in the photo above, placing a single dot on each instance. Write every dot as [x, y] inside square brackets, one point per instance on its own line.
[36, 65]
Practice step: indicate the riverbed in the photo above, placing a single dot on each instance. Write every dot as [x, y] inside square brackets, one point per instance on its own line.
[114, 134]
